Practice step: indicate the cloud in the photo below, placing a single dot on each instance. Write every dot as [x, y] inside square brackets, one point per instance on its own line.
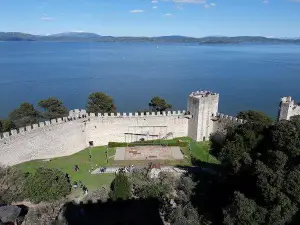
[206, 6]
[168, 14]
[136, 11]
[212, 4]
[154, 7]
[266, 1]
[45, 18]
[188, 1]
[154, 1]
[179, 7]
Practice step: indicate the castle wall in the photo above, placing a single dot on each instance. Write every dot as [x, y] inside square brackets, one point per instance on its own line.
[221, 122]
[102, 130]
[62, 137]
[49, 141]
[288, 108]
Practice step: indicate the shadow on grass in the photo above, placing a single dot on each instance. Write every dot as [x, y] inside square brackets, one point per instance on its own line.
[129, 212]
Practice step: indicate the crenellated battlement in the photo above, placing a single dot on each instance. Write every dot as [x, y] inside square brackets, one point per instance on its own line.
[230, 118]
[81, 113]
[77, 114]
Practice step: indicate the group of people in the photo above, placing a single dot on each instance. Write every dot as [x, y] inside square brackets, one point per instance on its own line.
[126, 169]
[80, 185]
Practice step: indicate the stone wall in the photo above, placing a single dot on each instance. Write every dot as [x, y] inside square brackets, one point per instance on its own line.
[288, 108]
[66, 136]
[221, 121]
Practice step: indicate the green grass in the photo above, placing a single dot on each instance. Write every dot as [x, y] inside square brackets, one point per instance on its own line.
[81, 159]
[199, 150]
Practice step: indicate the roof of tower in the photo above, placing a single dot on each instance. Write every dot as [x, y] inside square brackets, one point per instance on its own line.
[286, 99]
[202, 94]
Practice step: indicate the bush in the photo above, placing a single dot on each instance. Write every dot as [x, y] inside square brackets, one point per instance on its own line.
[47, 185]
[11, 185]
[121, 187]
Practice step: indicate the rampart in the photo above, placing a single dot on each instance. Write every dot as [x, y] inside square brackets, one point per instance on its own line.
[221, 121]
[68, 135]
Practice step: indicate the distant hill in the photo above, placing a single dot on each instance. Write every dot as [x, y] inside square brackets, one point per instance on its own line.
[76, 35]
[91, 37]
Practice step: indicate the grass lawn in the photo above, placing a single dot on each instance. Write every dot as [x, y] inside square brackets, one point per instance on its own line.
[200, 150]
[81, 159]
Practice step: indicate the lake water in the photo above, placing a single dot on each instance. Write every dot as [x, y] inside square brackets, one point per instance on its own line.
[246, 76]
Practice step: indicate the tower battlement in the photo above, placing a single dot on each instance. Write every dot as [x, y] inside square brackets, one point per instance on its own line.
[201, 94]
[288, 108]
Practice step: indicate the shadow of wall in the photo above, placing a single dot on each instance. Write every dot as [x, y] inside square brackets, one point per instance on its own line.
[129, 212]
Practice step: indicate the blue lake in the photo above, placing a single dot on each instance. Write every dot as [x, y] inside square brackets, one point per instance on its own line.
[246, 76]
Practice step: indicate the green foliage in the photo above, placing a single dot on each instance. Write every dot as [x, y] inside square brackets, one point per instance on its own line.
[261, 164]
[25, 115]
[6, 125]
[47, 185]
[243, 211]
[186, 215]
[185, 189]
[145, 187]
[121, 187]
[158, 104]
[53, 107]
[100, 102]
[12, 183]
[255, 116]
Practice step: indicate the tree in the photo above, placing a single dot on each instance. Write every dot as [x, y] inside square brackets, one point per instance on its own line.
[243, 211]
[25, 115]
[255, 116]
[11, 185]
[100, 102]
[158, 104]
[6, 125]
[186, 215]
[47, 185]
[121, 187]
[53, 107]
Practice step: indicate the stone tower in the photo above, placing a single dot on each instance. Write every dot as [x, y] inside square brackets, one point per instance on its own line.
[202, 107]
[288, 108]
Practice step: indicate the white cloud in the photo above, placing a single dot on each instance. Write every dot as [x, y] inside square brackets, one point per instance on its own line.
[188, 1]
[154, 1]
[154, 7]
[212, 4]
[206, 5]
[47, 18]
[136, 11]
[266, 1]
[179, 6]
[168, 14]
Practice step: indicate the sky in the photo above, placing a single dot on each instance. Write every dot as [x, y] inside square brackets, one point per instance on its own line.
[196, 18]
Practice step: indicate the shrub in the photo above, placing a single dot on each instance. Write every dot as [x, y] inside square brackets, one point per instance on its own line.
[121, 187]
[47, 185]
[11, 185]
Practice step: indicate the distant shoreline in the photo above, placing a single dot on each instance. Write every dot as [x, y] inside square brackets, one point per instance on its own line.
[90, 37]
